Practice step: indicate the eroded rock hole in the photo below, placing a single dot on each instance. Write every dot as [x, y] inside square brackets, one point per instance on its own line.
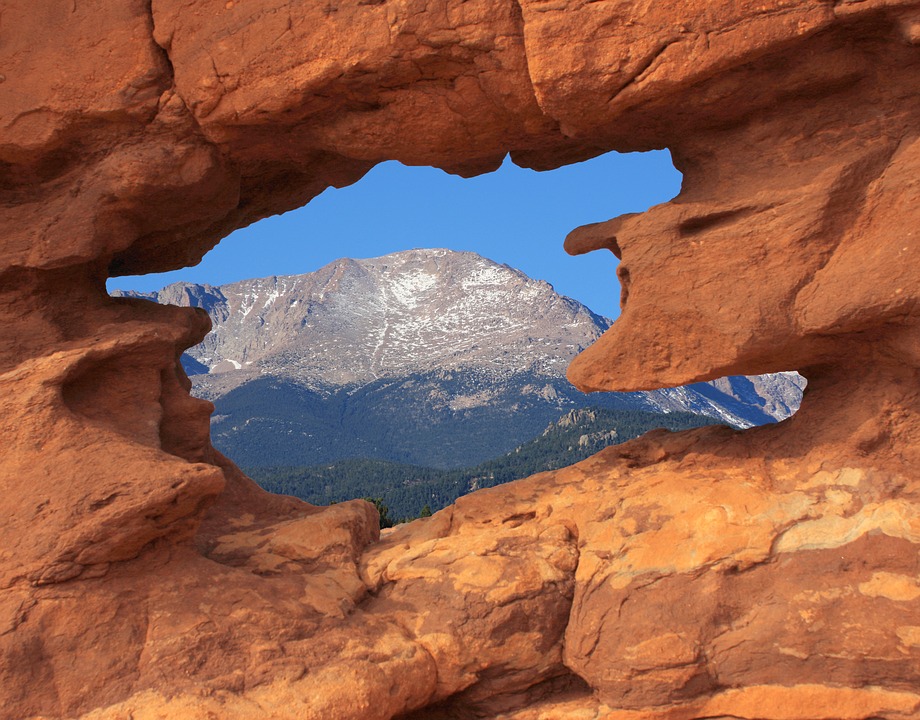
[423, 355]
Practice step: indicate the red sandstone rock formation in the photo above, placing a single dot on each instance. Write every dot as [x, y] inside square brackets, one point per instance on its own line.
[765, 574]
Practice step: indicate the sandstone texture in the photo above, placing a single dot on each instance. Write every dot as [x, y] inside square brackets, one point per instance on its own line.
[771, 573]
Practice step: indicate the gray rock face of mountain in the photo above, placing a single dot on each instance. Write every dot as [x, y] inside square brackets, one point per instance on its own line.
[777, 395]
[355, 321]
[503, 339]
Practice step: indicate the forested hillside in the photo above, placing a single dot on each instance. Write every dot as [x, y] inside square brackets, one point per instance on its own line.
[406, 490]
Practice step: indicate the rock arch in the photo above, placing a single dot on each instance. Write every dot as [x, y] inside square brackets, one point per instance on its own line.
[701, 574]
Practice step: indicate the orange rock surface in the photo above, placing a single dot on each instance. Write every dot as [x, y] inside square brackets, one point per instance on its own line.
[770, 574]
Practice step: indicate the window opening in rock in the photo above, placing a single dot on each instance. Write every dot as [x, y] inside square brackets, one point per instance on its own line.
[406, 338]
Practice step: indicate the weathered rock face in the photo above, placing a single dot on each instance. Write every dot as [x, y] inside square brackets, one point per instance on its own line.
[765, 574]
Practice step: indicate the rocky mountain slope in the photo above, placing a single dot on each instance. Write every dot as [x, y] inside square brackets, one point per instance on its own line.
[431, 357]
[355, 321]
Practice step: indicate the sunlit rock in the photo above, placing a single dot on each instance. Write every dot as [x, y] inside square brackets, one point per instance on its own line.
[770, 573]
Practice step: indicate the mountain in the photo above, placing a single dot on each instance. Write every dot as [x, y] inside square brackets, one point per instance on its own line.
[429, 357]
[356, 321]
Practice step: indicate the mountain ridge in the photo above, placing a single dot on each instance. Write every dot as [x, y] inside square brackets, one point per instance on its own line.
[387, 317]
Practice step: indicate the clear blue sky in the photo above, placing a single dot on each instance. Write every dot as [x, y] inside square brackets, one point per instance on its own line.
[514, 216]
